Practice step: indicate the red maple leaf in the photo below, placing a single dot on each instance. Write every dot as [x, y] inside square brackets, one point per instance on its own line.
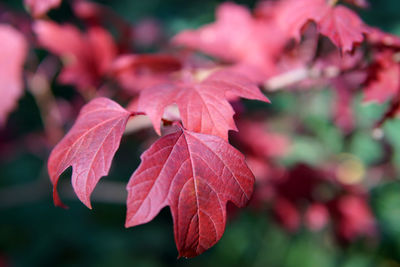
[339, 23]
[196, 175]
[203, 106]
[13, 51]
[89, 147]
[238, 37]
[39, 8]
[87, 57]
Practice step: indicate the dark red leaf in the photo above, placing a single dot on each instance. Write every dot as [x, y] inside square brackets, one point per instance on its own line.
[89, 147]
[345, 86]
[287, 214]
[386, 78]
[196, 175]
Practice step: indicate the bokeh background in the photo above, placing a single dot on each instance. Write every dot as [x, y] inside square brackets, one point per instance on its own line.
[35, 233]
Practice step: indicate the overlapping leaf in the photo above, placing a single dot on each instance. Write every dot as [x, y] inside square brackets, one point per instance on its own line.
[89, 147]
[340, 24]
[386, 81]
[203, 106]
[238, 37]
[378, 37]
[86, 56]
[13, 51]
[196, 175]
[137, 72]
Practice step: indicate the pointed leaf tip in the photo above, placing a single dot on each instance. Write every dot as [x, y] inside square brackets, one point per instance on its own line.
[196, 175]
[89, 147]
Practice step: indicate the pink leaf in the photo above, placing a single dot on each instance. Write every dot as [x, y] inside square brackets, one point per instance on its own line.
[378, 37]
[13, 51]
[340, 24]
[343, 27]
[238, 37]
[137, 72]
[354, 217]
[294, 15]
[87, 57]
[196, 175]
[89, 147]
[316, 217]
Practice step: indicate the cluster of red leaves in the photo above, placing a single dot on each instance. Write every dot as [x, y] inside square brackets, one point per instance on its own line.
[235, 37]
[194, 170]
[316, 198]
[87, 57]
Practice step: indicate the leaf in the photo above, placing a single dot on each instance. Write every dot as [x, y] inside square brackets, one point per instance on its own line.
[293, 15]
[385, 83]
[87, 57]
[344, 86]
[203, 106]
[196, 175]
[340, 24]
[378, 37]
[137, 72]
[355, 217]
[236, 36]
[38, 8]
[89, 147]
[343, 27]
[13, 53]
[255, 139]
